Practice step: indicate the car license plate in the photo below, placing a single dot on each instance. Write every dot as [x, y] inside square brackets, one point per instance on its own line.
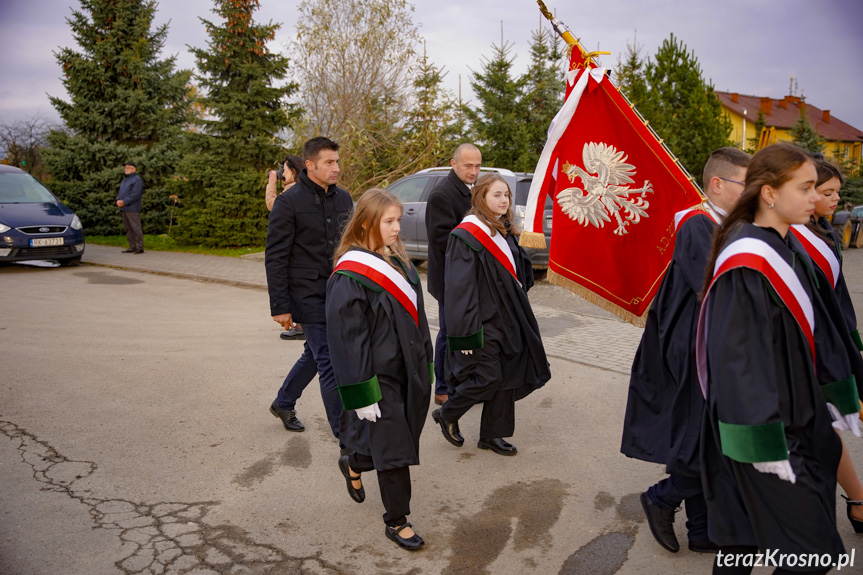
[42, 242]
[548, 223]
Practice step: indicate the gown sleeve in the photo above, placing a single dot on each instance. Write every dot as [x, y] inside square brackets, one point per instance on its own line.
[743, 368]
[349, 337]
[692, 250]
[424, 331]
[461, 296]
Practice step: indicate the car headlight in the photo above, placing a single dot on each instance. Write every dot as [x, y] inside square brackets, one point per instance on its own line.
[4, 228]
[519, 211]
[76, 223]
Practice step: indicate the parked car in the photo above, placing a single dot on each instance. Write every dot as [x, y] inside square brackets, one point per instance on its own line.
[849, 227]
[414, 190]
[34, 224]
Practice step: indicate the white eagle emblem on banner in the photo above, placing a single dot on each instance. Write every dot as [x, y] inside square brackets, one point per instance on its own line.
[606, 193]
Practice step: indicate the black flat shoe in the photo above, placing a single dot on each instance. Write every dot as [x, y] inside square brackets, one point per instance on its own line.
[661, 523]
[412, 543]
[855, 523]
[449, 429]
[498, 445]
[358, 495]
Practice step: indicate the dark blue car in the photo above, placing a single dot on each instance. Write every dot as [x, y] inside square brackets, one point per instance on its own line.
[34, 224]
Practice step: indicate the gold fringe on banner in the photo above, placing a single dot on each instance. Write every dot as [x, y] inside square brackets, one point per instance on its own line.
[597, 300]
[532, 240]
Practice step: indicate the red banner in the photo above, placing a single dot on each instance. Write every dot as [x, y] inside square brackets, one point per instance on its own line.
[616, 190]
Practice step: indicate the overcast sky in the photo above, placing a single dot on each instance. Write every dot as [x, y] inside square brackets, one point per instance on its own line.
[746, 46]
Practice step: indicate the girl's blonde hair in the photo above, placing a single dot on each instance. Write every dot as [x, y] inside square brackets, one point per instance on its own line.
[364, 228]
[480, 208]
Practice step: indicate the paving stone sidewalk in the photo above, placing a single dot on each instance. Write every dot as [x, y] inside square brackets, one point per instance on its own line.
[601, 342]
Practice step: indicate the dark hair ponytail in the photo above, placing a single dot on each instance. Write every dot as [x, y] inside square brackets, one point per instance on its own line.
[771, 166]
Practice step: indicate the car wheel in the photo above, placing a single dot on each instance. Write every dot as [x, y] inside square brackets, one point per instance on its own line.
[70, 262]
[843, 232]
[539, 274]
[417, 262]
[858, 241]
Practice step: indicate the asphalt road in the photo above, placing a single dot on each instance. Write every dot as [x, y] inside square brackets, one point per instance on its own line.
[135, 438]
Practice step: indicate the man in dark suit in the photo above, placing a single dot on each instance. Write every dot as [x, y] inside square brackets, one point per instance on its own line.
[304, 230]
[447, 205]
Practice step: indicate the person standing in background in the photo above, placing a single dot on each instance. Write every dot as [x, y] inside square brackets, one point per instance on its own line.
[129, 201]
[447, 205]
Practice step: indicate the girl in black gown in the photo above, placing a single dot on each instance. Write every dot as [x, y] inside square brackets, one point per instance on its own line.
[382, 356]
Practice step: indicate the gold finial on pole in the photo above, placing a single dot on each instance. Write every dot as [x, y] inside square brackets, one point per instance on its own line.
[567, 36]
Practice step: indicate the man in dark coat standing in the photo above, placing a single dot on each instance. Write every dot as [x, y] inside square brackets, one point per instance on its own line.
[447, 205]
[305, 228]
[129, 201]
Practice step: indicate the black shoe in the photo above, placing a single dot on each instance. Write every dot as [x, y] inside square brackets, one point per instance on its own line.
[138, 252]
[288, 417]
[448, 428]
[358, 495]
[412, 543]
[705, 546]
[498, 445]
[129, 251]
[661, 523]
[855, 523]
[293, 333]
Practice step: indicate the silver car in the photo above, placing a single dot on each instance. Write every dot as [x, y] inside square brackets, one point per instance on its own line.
[414, 190]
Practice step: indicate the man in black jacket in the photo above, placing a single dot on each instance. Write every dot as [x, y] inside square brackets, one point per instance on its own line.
[447, 206]
[129, 201]
[304, 230]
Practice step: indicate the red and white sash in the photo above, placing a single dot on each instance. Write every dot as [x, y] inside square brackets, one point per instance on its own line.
[701, 209]
[383, 274]
[822, 254]
[496, 245]
[757, 255]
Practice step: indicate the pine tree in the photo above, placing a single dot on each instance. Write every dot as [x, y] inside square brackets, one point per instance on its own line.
[804, 135]
[543, 92]
[683, 108]
[220, 184]
[432, 128]
[125, 104]
[498, 119]
[630, 77]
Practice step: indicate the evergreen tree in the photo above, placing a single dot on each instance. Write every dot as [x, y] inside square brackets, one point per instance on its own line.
[220, 183]
[543, 91]
[804, 135]
[630, 78]
[498, 119]
[125, 104]
[433, 128]
[683, 108]
[760, 123]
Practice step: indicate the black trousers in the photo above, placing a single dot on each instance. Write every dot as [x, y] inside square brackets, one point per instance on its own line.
[498, 413]
[132, 225]
[395, 486]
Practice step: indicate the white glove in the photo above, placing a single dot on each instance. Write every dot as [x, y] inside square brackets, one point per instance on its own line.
[780, 468]
[371, 412]
[467, 351]
[850, 422]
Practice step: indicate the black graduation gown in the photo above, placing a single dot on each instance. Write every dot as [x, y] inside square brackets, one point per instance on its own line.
[488, 312]
[836, 360]
[842, 293]
[664, 409]
[762, 381]
[374, 342]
